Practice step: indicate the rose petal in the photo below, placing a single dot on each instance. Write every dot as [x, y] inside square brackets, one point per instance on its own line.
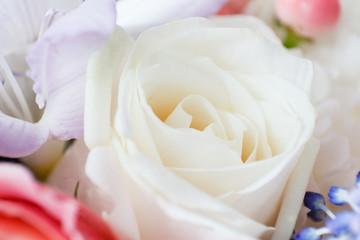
[93, 227]
[17, 183]
[101, 88]
[70, 173]
[262, 60]
[107, 175]
[233, 7]
[193, 218]
[294, 191]
[247, 21]
[263, 98]
[58, 64]
[30, 214]
[13, 226]
[135, 16]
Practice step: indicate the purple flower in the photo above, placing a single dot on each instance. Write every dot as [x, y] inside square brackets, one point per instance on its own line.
[44, 49]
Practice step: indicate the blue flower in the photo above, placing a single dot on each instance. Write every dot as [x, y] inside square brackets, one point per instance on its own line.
[311, 234]
[317, 215]
[314, 201]
[357, 181]
[338, 196]
[343, 225]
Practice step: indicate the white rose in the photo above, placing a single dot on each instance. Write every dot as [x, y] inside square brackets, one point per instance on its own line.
[199, 132]
[337, 71]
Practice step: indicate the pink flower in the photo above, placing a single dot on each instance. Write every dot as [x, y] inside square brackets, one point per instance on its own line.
[308, 17]
[29, 210]
[233, 7]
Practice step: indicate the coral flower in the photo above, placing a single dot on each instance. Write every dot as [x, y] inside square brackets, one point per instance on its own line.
[29, 210]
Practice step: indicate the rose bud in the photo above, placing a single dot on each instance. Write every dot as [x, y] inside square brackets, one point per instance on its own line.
[308, 17]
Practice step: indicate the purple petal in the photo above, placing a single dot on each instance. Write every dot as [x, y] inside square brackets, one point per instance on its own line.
[58, 63]
[137, 15]
[20, 138]
[20, 21]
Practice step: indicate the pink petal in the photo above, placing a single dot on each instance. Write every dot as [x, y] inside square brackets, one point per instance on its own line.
[58, 63]
[233, 7]
[17, 183]
[30, 214]
[308, 17]
[92, 227]
[46, 210]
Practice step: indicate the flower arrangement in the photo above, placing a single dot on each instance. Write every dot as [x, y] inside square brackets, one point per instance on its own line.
[343, 224]
[220, 119]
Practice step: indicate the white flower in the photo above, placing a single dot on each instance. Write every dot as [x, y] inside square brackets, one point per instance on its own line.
[335, 93]
[199, 132]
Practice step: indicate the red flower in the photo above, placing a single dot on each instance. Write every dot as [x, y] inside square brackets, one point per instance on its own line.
[30, 210]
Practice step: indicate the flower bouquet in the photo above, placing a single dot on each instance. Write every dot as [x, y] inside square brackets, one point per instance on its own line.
[179, 120]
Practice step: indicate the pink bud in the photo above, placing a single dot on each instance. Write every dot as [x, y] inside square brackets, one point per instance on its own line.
[308, 17]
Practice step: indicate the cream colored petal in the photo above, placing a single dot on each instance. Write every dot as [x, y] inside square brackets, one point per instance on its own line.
[100, 98]
[158, 38]
[176, 147]
[104, 169]
[241, 134]
[244, 103]
[69, 176]
[294, 116]
[283, 129]
[229, 49]
[233, 178]
[166, 78]
[246, 21]
[159, 194]
[179, 118]
[130, 121]
[243, 184]
[221, 45]
[294, 192]
[190, 148]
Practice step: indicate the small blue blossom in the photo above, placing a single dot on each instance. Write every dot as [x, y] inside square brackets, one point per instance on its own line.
[308, 234]
[317, 215]
[345, 225]
[355, 224]
[357, 181]
[314, 201]
[354, 199]
[341, 224]
[338, 196]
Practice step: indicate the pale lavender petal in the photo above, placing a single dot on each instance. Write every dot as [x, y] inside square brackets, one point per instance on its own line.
[20, 138]
[58, 64]
[136, 15]
[20, 21]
